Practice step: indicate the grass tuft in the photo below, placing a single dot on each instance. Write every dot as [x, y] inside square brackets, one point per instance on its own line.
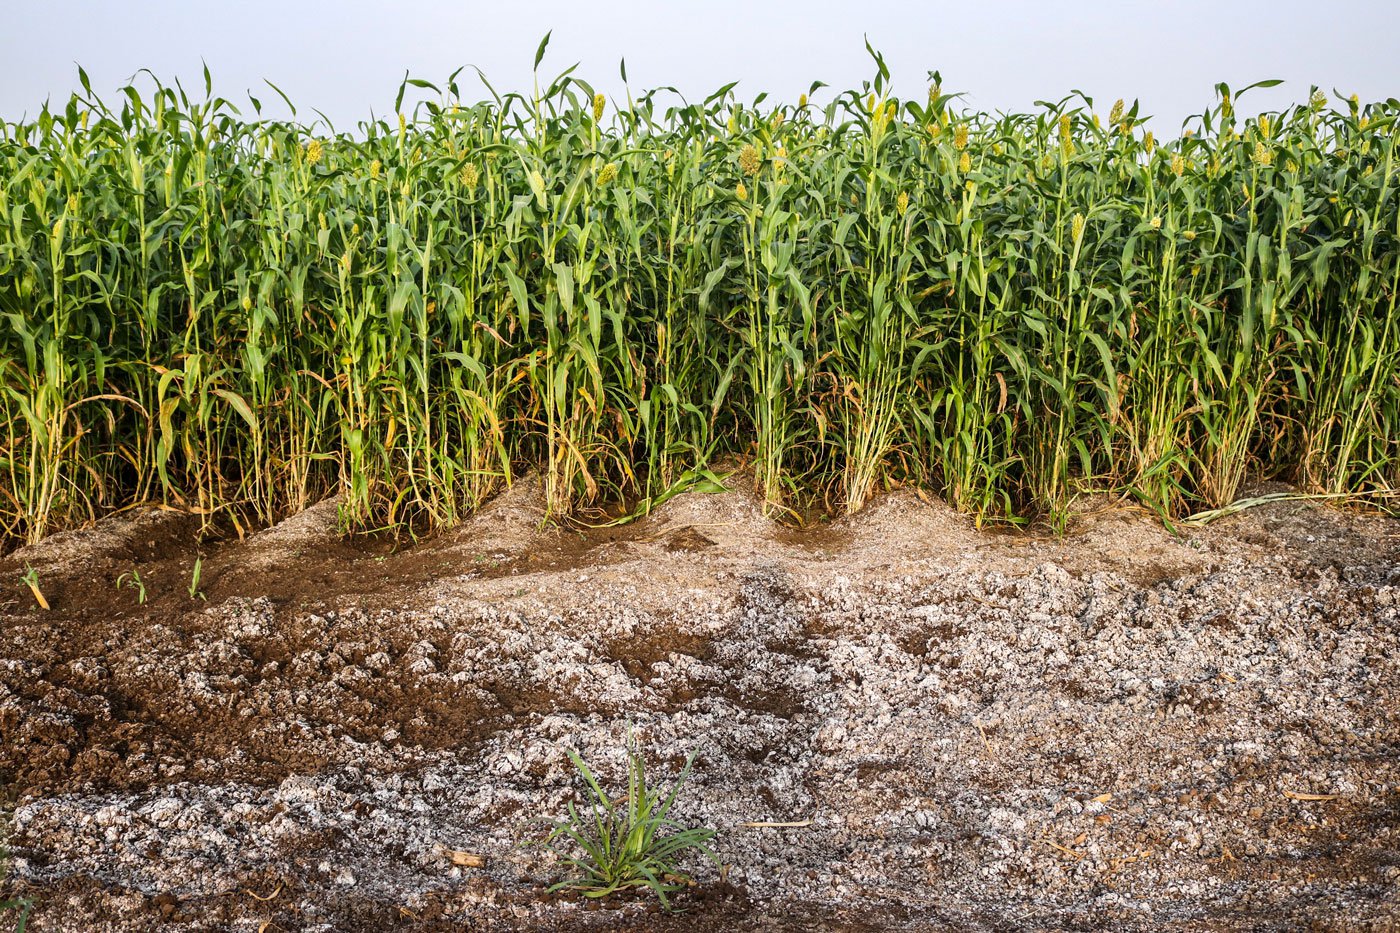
[628, 842]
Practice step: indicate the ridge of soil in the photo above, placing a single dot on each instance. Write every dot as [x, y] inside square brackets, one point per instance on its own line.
[1123, 728]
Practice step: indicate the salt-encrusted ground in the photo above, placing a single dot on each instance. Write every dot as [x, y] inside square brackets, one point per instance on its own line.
[1122, 729]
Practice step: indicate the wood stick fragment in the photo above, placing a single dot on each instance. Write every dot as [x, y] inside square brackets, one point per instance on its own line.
[1295, 795]
[765, 824]
[1077, 856]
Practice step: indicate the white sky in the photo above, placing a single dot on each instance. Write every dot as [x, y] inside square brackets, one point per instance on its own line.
[346, 58]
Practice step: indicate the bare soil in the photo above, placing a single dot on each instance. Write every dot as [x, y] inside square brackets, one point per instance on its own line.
[1122, 728]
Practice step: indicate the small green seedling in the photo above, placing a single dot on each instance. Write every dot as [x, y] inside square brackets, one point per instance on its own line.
[194, 579]
[132, 580]
[21, 904]
[627, 842]
[31, 580]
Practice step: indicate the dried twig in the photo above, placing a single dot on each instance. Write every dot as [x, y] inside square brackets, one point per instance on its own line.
[1296, 795]
[467, 859]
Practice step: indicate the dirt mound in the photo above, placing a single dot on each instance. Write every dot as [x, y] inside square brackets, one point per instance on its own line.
[507, 525]
[1121, 728]
[145, 532]
[288, 540]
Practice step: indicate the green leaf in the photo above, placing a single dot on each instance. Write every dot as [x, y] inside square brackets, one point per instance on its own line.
[539, 53]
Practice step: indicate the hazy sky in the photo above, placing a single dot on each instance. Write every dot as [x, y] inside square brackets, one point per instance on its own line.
[346, 58]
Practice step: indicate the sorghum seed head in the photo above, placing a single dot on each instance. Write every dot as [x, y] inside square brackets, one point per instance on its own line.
[901, 203]
[741, 192]
[749, 161]
[599, 102]
[960, 137]
[965, 163]
[1115, 115]
[1178, 164]
[607, 173]
[313, 152]
[469, 176]
[1077, 226]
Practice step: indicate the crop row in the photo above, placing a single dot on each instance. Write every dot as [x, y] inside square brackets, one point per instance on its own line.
[239, 315]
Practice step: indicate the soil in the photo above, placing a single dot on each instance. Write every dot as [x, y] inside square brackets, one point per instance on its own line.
[1124, 727]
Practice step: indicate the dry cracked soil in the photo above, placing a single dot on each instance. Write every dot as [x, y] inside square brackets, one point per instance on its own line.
[1123, 728]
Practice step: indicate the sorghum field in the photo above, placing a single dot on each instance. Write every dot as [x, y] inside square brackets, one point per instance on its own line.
[237, 316]
[991, 509]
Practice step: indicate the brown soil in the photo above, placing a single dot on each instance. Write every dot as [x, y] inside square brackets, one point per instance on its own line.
[1121, 728]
